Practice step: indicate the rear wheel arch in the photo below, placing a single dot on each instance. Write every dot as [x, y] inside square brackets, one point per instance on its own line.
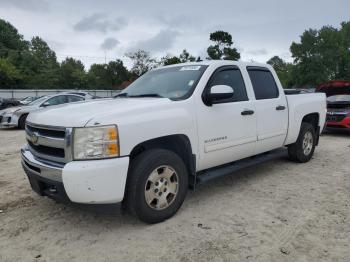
[313, 119]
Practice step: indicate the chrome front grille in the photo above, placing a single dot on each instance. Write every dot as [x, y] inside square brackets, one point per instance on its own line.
[49, 143]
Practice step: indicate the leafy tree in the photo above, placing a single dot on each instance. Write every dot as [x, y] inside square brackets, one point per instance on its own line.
[142, 62]
[183, 58]
[10, 77]
[111, 75]
[98, 77]
[12, 47]
[117, 72]
[40, 66]
[170, 60]
[10, 39]
[222, 48]
[322, 55]
[284, 71]
[186, 57]
[72, 74]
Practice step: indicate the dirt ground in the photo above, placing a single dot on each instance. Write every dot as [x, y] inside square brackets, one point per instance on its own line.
[279, 211]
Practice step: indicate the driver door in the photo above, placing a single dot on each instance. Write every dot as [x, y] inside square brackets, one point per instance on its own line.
[227, 129]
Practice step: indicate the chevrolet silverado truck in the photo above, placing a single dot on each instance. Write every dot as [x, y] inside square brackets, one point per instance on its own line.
[173, 128]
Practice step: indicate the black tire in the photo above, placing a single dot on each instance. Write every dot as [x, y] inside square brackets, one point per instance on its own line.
[22, 121]
[296, 151]
[138, 178]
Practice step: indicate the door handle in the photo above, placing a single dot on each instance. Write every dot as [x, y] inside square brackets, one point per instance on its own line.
[280, 108]
[247, 112]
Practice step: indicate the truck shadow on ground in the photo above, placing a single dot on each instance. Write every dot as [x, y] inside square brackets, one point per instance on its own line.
[232, 184]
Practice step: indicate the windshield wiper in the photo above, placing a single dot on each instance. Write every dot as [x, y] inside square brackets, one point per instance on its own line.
[148, 95]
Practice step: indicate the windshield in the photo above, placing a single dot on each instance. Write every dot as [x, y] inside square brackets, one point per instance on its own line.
[171, 82]
[38, 101]
[339, 98]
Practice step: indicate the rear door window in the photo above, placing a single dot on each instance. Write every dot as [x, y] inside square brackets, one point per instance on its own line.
[57, 100]
[263, 82]
[74, 99]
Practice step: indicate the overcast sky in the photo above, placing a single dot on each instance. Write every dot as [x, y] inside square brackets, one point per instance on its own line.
[87, 29]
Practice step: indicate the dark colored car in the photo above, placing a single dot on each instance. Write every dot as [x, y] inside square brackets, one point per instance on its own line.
[338, 103]
[6, 103]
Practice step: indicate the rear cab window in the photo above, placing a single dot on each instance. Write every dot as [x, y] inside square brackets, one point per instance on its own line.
[263, 83]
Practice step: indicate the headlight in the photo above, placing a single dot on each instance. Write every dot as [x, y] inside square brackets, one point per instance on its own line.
[95, 142]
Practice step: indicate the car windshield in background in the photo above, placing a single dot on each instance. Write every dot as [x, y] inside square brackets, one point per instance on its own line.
[38, 101]
[339, 98]
[175, 83]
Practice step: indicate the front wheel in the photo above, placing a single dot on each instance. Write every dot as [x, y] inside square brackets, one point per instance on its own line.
[157, 185]
[22, 121]
[303, 149]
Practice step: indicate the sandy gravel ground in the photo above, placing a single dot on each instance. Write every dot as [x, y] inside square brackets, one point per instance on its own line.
[279, 211]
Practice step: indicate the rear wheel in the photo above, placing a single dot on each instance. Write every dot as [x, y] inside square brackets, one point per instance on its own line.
[157, 185]
[303, 149]
[22, 121]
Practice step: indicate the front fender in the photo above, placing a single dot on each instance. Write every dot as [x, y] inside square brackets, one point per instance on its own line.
[150, 125]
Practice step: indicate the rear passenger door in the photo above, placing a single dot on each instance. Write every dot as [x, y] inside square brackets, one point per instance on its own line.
[226, 131]
[271, 109]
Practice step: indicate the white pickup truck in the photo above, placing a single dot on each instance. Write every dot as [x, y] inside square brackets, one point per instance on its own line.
[174, 127]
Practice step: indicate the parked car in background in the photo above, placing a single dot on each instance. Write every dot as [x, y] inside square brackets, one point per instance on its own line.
[6, 103]
[28, 99]
[16, 116]
[338, 103]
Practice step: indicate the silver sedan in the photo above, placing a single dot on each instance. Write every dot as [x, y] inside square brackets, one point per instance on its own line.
[16, 116]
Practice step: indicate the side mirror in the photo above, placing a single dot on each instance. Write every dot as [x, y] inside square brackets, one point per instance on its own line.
[218, 93]
[45, 104]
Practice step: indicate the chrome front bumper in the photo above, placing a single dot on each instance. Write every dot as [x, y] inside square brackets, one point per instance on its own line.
[43, 169]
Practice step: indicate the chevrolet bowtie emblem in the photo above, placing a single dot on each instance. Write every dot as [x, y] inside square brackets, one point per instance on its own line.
[34, 138]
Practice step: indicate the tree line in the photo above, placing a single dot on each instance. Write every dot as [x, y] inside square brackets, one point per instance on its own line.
[321, 55]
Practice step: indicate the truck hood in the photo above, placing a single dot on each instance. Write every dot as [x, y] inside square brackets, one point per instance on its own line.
[334, 88]
[81, 113]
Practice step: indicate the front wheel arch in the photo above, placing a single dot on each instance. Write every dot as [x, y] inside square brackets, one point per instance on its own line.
[180, 144]
[22, 121]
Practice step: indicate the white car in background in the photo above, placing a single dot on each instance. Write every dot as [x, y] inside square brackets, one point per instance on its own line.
[16, 116]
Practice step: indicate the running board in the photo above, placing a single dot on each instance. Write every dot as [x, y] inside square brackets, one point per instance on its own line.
[213, 173]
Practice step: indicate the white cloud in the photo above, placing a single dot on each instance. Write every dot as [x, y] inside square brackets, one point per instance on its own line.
[99, 22]
[109, 43]
[27, 5]
[162, 41]
[78, 28]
